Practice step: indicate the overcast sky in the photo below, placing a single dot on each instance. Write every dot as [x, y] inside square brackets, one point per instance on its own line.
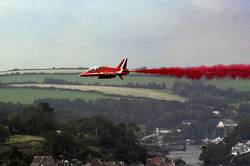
[74, 33]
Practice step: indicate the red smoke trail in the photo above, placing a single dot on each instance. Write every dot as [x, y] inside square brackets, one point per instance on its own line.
[209, 72]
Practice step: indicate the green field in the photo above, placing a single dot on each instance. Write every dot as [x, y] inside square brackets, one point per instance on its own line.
[39, 78]
[26, 96]
[110, 90]
[25, 143]
[237, 84]
[18, 139]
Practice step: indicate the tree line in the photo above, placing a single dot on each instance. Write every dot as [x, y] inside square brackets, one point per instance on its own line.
[80, 139]
[150, 85]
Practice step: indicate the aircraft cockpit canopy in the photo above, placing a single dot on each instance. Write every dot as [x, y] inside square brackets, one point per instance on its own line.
[92, 68]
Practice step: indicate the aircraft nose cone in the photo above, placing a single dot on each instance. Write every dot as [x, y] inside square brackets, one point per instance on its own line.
[82, 74]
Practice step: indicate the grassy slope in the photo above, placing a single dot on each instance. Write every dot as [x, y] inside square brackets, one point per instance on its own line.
[25, 143]
[238, 84]
[75, 78]
[121, 91]
[26, 96]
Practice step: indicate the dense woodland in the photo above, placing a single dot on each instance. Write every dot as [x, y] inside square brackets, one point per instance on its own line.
[82, 139]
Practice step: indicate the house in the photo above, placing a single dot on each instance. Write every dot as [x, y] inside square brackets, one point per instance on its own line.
[113, 163]
[43, 161]
[216, 113]
[226, 123]
[186, 123]
[97, 162]
[162, 131]
[156, 161]
[248, 143]
[241, 148]
[179, 162]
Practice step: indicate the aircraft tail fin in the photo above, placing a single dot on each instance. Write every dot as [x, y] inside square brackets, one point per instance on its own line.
[123, 64]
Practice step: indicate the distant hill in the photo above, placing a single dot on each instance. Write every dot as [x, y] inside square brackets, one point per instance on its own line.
[42, 71]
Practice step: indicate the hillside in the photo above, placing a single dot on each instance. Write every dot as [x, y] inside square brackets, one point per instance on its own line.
[28, 95]
[73, 76]
[122, 91]
[84, 88]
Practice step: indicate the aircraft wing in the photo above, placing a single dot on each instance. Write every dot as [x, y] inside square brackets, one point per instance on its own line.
[89, 74]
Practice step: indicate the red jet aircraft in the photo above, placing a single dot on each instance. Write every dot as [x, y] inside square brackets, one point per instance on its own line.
[105, 72]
